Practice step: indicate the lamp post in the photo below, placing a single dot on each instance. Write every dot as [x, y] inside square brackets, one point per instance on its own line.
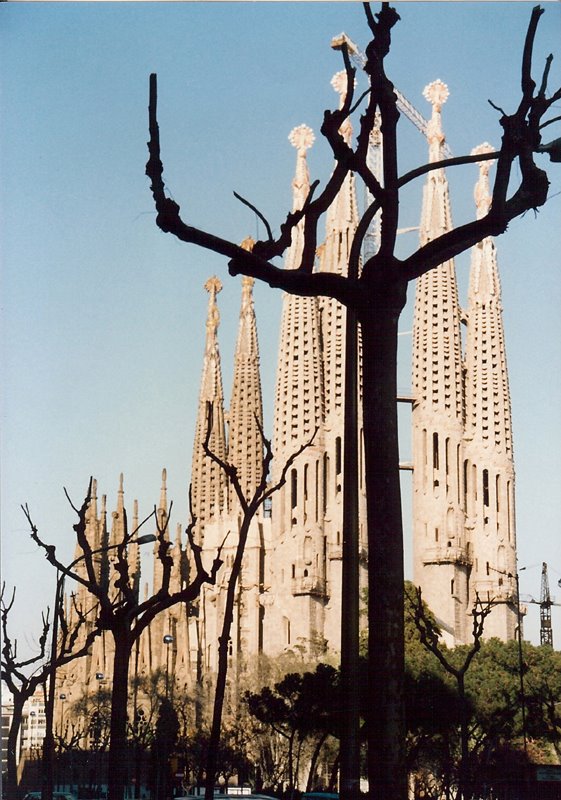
[168, 639]
[516, 577]
[100, 678]
[520, 658]
[62, 698]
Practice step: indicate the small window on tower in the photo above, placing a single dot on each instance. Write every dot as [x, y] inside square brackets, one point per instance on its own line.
[338, 455]
[485, 481]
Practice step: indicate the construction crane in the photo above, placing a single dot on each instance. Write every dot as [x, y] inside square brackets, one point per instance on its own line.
[546, 631]
[545, 602]
[359, 60]
[375, 145]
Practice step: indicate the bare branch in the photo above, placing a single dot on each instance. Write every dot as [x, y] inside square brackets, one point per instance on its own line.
[288, 464]
[259, 214]
[446, 162]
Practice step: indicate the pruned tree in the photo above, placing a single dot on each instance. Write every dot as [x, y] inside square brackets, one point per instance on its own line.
[122, 612]
[456, 663]
[24, 676]
[375, 296]
[249, 507]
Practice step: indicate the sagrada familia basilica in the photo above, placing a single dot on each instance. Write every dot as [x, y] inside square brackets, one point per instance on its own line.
[289, 592]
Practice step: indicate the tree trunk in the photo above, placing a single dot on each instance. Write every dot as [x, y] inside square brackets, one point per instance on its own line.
[387, 773]
[314, 760]
[223, 643]
[463, 793]
[12, 761]
[117, 757]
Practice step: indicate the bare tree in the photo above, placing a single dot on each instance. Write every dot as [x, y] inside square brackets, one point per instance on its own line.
[249, 507]
[123, 614]
[430, 637]
[24, 676]
[376, 294]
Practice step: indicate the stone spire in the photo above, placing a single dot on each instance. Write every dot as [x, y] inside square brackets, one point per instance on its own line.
[299, 383]
[162, 517]
[489, 457]
[245, 445]
[298, 553]
[341, 223]
[437, 369]
[488, 414]
[118, 518]
[134, 552]
[441, 562]
[208, 480]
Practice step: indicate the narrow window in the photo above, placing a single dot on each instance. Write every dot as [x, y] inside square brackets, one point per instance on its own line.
[485, 484]
[316, 491]
[452, 587]
[293, 488]
[325, 481]
[458, 484]
[508, 512]
[338, 455]
[435, 458]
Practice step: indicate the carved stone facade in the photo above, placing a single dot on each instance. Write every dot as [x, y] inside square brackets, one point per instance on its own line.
[289, 595]
[463, 506]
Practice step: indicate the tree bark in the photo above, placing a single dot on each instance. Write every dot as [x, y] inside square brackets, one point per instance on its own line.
[386, 759]
[117, 760]
[12, 776]
[222, 673]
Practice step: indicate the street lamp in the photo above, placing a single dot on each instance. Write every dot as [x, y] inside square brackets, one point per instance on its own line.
[62, 698]
[168, 639]
[516, 577]
[100, 678]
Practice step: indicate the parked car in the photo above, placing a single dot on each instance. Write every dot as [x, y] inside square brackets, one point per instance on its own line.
[56, 796]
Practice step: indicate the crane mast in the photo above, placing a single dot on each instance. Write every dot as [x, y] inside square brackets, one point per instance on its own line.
[375, 144]
[546, 631]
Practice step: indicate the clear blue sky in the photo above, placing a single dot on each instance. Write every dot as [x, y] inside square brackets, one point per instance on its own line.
[103, 315]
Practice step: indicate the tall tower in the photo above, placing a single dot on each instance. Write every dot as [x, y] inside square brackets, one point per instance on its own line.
[245, 452]
[298, 555]
[440, 549]
[488, 466]
[341, 222]
[245, 442]
[208, 483]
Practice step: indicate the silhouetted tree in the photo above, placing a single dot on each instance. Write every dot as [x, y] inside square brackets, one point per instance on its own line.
[456, 663]
[249, 507]
[123, 613]
[375, 295]
[24, 676]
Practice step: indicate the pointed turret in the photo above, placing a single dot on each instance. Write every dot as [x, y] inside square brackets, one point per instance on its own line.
[245, 443]
[162, 516]
[208, 480]
[341, 223]
[134, 553]
[490, 474]
[298, 507]
[441, 560]
[299, 384]
[118, 518]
